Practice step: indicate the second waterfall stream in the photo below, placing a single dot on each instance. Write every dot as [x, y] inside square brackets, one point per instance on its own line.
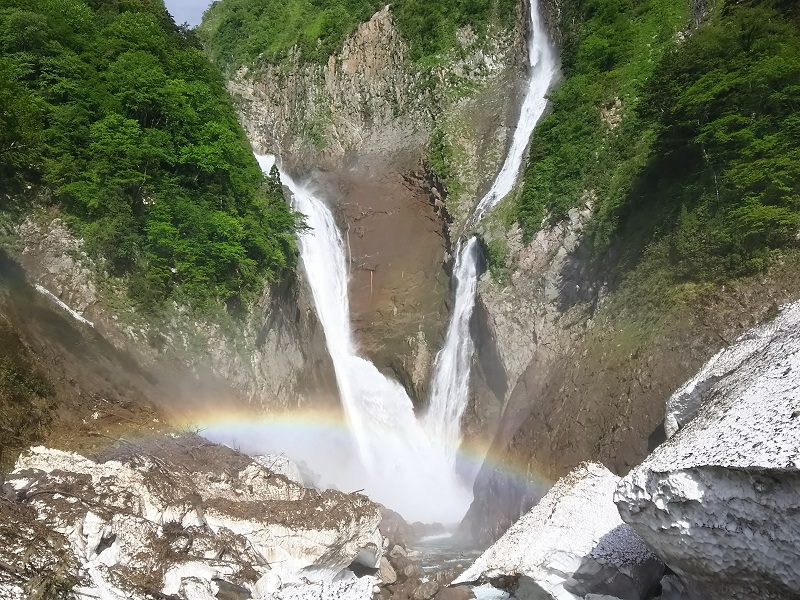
[405, 463]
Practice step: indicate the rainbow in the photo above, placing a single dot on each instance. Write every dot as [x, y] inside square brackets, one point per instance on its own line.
[288, 432]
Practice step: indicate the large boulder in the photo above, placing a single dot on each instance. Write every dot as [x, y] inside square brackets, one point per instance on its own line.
[720, 500]
[183, 516]
[571, 544]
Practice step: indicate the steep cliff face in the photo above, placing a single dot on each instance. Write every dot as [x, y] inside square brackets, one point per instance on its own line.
[270, 360]
[593, 342]
[589, 365]
[364, 127]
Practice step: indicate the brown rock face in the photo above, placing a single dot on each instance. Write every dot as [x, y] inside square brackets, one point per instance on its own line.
[396, 241]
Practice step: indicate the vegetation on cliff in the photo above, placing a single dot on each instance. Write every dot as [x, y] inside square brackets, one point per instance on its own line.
[690, 140]
[238, 32]
[117, 114]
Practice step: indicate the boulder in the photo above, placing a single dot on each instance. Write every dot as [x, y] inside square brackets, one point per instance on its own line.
[281, 465]
[386, 572]
[461, 592]
[413, 571]
[719, 501]
[183, 516]
[571, 544]
[425, 591]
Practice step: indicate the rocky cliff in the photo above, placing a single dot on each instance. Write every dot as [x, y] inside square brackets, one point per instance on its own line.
[584, 346]
[590, 364]
[365, 126]
[269, 360]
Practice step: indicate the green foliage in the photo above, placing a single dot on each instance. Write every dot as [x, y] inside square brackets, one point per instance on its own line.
[430, 27]
[238, 32]
[241, 31]
[496, 253]
[707, 155]
[115, 110]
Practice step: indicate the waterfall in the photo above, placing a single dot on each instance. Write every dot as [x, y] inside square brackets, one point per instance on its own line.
[450, 389]
[450, 385]
[409, 465]
[542, 61]
[403, 467]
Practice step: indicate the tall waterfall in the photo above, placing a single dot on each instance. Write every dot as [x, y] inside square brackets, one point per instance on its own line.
[404, 468]
[408, 464]
[450, 389]
[542, 62]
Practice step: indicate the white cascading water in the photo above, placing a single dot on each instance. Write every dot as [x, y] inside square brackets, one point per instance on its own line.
[450, 384]
[403, 468]
[450, 388]
[542, 62]
[408, 465]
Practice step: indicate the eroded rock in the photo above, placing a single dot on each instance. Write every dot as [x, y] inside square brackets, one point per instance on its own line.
[187, 517]
[386, 572]
[719, 500]
[571, 544]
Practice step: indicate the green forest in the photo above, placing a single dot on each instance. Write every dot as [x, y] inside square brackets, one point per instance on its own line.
[706, 157]
[239, 32]
[112, 113]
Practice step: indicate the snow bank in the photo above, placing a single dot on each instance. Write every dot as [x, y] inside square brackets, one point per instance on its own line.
[571, 544]
[719, 501]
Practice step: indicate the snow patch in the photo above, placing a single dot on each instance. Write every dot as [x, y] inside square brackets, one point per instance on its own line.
[572, 543]
[719, 499]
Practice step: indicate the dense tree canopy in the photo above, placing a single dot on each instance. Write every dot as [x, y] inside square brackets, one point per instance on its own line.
[119, 114]
[239, 32]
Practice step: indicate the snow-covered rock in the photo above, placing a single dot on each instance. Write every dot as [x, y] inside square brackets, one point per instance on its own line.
[355, 588]
[282, 465]
[571, 544]
[183, 516]
[683, 405]
[720, 500]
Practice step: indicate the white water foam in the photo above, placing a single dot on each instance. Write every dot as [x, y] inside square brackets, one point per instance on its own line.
[403, 467]
[61, 304]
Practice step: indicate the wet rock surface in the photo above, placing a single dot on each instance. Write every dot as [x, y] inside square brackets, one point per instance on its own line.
[719, 500]
[178, 516]
[573, 543]
[396, 241]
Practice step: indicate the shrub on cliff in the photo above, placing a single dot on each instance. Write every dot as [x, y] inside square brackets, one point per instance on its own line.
[238, 32]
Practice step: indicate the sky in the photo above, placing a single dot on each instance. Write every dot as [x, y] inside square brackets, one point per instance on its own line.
[187, 11]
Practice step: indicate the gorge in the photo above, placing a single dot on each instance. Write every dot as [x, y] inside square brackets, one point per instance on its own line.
[407, 462]
[479, 247]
